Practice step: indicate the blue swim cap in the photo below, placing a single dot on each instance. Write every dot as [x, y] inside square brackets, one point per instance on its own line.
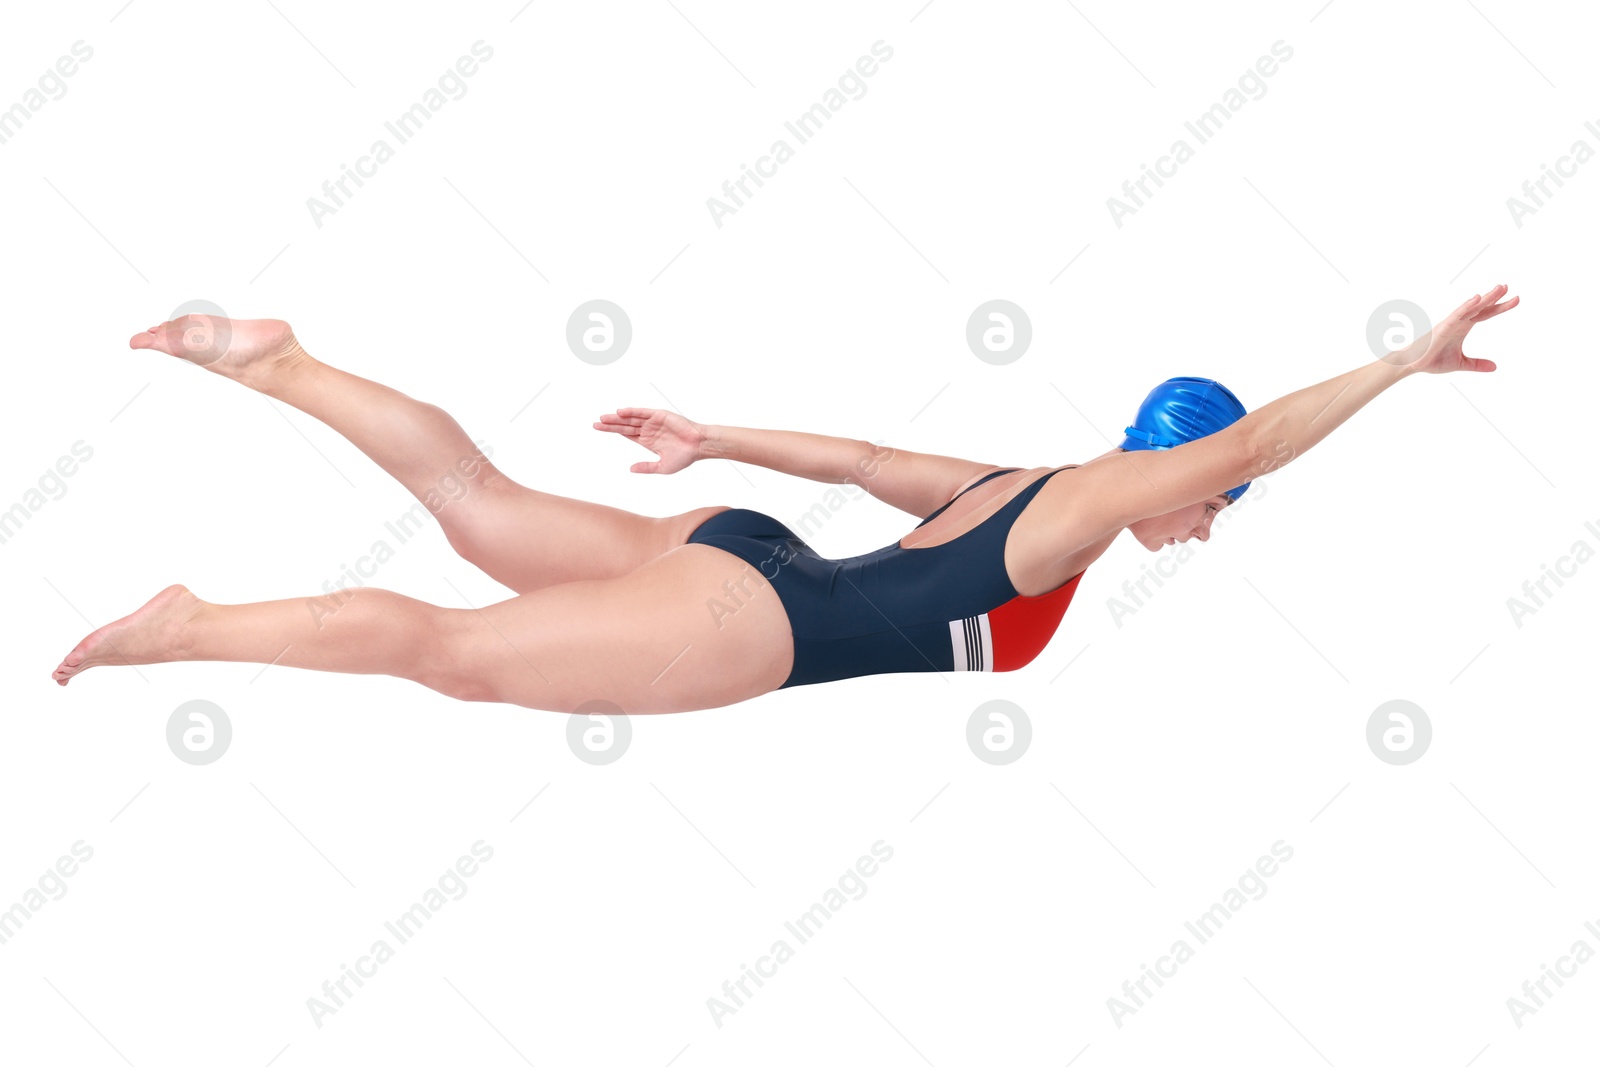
[1180, 410]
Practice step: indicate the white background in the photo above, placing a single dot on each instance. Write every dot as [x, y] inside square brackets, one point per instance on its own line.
[1228, 713]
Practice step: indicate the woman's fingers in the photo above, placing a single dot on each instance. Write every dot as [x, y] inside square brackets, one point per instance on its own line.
[1461, 311]
[1491, 312]
[1472, 308]
[617, 427]
[620, 424]
[1480, 307]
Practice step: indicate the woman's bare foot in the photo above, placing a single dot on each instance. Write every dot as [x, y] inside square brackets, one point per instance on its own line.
[153, 634]
[249, 351]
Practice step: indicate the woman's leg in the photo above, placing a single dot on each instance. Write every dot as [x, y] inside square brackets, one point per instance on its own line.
[519, 536]
[647, 642]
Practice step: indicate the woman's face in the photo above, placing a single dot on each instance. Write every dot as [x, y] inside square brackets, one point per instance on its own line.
[1175, 527]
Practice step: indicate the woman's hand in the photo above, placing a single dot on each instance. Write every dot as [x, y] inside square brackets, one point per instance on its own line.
[1439, 351]
[673, 438]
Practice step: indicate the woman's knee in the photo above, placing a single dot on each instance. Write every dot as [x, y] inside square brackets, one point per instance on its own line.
[451, 657]
[466, 502]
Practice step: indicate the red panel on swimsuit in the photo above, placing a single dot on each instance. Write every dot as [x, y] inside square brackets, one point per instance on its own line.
[1021, 627]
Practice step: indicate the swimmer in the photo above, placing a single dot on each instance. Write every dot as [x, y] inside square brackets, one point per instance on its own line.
[717, 605]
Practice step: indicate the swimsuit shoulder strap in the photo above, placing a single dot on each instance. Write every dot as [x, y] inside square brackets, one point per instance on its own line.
[1017, 503]
[940, 509]
[1012, 508]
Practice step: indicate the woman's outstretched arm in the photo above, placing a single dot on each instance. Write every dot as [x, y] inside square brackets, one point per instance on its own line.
[1135, 485]
[915, 482]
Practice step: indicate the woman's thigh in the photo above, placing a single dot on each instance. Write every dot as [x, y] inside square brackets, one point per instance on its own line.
[694, 628]
[529, 540]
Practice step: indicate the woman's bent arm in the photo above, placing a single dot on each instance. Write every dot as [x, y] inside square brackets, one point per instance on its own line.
[915, 482]
[911, 481]
[805, 455]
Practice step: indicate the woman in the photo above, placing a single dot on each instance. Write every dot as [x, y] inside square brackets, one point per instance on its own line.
[713, 606]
